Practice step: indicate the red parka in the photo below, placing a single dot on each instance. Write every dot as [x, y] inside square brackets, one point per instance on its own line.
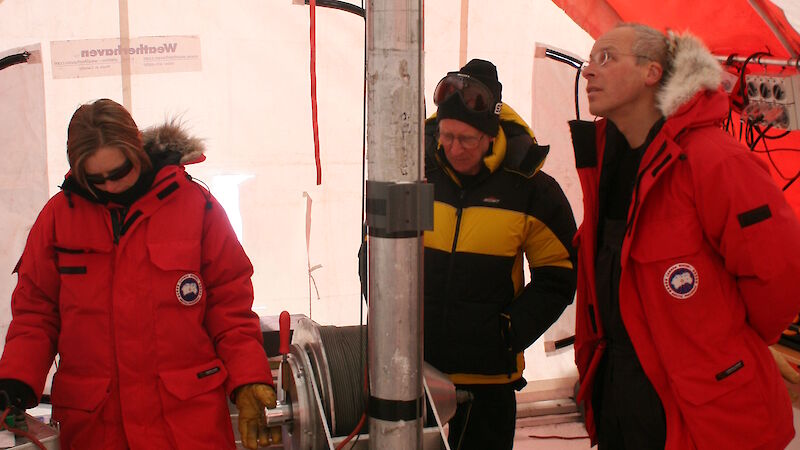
[151, 318]
[710, 269]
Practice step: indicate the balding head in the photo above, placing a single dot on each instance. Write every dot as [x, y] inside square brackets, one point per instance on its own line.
[651, 44]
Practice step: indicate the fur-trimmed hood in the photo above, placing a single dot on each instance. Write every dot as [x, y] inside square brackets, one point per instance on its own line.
[172, 137]
[167, 144]
[693, 69]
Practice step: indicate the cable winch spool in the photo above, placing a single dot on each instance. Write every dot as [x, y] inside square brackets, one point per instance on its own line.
[322, 379]
[346, 365]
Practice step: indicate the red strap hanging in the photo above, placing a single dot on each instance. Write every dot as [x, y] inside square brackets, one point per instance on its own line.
[315, 125]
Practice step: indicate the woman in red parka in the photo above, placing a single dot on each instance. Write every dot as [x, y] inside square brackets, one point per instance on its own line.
[133, 275]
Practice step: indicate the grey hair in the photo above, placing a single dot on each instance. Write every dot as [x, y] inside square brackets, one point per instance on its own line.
[652, 45]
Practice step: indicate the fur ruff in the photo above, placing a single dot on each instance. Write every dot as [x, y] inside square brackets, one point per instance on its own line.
[171, 136]
[693, 69]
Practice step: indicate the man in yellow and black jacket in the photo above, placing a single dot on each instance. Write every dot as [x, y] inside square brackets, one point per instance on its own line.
[493, 203]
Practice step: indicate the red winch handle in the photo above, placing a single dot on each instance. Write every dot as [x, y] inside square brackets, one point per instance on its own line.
[284, 322]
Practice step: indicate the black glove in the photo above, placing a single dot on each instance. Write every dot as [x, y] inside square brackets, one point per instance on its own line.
[17, 394]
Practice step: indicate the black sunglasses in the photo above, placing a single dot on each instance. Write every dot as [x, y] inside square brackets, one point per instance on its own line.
[114, 175]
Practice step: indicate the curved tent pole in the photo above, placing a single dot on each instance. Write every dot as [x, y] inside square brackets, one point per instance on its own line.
[758, 7]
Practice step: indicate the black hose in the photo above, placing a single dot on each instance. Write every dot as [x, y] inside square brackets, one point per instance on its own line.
[17, 58]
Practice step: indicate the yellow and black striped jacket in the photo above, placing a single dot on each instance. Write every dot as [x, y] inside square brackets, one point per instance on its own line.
[479, 314]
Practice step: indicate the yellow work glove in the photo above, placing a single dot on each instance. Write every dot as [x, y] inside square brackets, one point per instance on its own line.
[787, 371]
[251, 399]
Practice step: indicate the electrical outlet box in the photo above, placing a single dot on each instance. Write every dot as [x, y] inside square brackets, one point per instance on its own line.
[773, 99]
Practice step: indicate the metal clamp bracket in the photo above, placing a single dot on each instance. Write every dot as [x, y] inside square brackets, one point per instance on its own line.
[399, 209]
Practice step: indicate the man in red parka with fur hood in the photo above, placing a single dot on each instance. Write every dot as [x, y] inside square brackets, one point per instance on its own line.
[689, 257]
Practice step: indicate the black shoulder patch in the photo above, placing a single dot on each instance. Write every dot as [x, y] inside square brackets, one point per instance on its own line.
[754, 216]
[583, 142]
[167, 190]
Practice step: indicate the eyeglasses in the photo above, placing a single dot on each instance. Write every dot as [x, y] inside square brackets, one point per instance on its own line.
[114, 175]
[466, 142]
[475, 95]
[602, 57]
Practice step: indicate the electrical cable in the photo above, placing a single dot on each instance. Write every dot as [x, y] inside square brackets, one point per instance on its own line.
[772, 161]
[777, 136]
[564, 58]
[17, 58]
[575, 63]
[775, 150]
[742, 73]
[577, 83]
[762, 134]
[567, 438]
[362, 342]
[786, 186]
[363, 240]
[19, 432]
[342, 6]
[464, 428]
[741, 124]
[353, 433]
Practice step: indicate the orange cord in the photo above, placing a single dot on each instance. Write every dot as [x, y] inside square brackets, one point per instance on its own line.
[17, 431]
[353, 433]
[363, 415]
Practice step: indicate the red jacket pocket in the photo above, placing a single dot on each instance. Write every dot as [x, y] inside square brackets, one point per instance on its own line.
[193, 381]
[667, 239]
[175, 255]
[699, 385]
[79, 391]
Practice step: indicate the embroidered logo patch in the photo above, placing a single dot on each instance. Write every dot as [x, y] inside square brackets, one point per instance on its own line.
[681, 280]
[189, 289]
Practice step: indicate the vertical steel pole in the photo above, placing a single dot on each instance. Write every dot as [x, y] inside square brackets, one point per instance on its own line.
[395, 168]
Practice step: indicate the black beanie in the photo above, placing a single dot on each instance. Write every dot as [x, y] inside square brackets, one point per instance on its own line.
[454, 107]
[486, 73]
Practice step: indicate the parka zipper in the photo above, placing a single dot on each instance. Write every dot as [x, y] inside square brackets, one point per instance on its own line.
[629, 224]
[451, 266]
[117, 216]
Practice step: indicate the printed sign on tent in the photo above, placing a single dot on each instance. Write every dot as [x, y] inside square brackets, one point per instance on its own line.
[101, 57]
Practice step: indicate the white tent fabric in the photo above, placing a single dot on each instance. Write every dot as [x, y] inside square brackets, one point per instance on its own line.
[23, 174]
[249, 99]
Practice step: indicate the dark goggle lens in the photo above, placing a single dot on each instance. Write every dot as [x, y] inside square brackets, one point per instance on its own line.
[116, 174]
[476, 96]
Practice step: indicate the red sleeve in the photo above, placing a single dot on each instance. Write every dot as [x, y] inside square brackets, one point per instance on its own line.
[230, 320]
[32, 337]
[757, 234]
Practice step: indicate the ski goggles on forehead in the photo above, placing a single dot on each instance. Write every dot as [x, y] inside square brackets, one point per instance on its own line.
[475, 95]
